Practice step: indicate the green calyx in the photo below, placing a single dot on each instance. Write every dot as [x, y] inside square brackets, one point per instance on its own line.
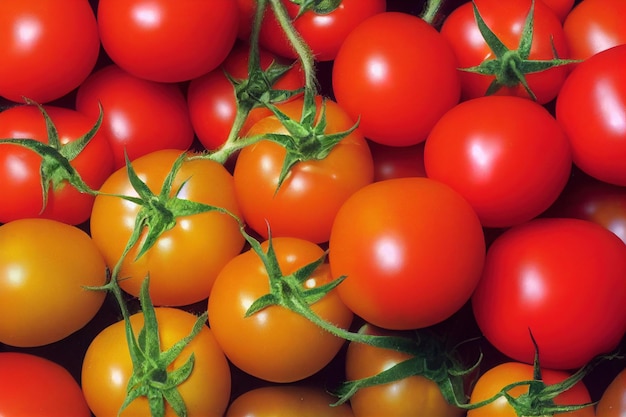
[511, 66]
[316, 6]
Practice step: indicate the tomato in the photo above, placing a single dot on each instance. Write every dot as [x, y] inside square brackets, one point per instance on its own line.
[307, 201]
[107, 367]
[412, 250]
[21, 190]
[274, 344]
[537, 277]
[48, 48]
[323, 32]
[397, 161]
[594, 26]
[495, 379]
[169, 42]
[613, 400]
[412, 396]
[35, 386]
[44, 267]
[287, 400]
[140, 116]
[185, 259]
[591, 108]
[506, 20]
[398, 75]
[483, 148]
[561, 8]
[212, 100]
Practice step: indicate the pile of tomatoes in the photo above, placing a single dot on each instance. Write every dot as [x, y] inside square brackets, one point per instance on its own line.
[326, 207]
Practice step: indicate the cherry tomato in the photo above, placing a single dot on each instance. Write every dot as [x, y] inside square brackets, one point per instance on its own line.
[412, 250]
[45, 266]
[613, 400]
[48, 48]
[274, 344]
[398, 75]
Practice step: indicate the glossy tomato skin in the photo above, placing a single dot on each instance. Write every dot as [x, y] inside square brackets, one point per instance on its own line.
[139, 116]
[307, 201]
[483, 147]
[287, 400]
[499, 376]
[274, 344]
[412, 396]
[44, 267]
[398, 75]
[412, 250]
[20, 192]
[107, 367]
[185, 260]
[506, 20]
[164, 41]
[561, 278]
[591, 107]
[594, 26]
[35, 386]
[48, 48]
[613, 400]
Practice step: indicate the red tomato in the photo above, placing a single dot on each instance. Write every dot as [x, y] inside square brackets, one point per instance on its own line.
[21, 193]
[560, 7]
[274, 344]
[506, 155]
[561, 278]
[185, 259]
[167, 41]
[35, 386]
[591, 108]
[613, 400]
[48, 48]
[398, 74]
[140, 116]
[506, 20]
[412, 250]
[397, 161]
[307, 201]
[498, 377]
[594, 26]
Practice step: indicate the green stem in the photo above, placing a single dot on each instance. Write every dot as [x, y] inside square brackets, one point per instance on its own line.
[430, 11]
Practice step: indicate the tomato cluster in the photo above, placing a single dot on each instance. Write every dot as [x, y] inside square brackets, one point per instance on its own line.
[326, 207]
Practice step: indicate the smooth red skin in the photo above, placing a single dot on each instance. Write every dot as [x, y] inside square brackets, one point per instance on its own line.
[34, 386]
[323, 33]
[167, 41]
[591, 108]
[60, 50]
[506, 20]
[560, 7]
[613, 400]
[506, 155]
[562, 279]
[418, 84]
[412, 250]
[20, 191]
[212, 101]
[397, 161]
[139, 116]
[594, 26]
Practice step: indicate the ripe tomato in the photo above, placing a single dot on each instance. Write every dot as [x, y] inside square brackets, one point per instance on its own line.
[506, 20]
[594, 26]
[169, 42]
[44, 267]
[48, 48]
[34, 386]
[307, 201]
[397, 161]
[613, 400]
[591, 108]
[398, 74]
[537, 277]
[412, 250]
[140, 116]
[274, 344]
[107, 367]
[495, 379]
[287, 400]
[483, 147]
[561, 8]
[21, 193]
[185, 260]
